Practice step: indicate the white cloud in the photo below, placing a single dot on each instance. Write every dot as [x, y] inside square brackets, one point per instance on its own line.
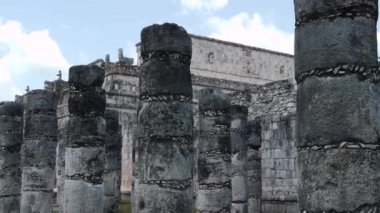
[27, 58]
[251, 30]
[206, 5]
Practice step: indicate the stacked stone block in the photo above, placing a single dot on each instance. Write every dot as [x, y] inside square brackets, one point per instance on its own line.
[253, 166]
[214, 147]
[239, 138]
[337, 105]
[10, 160]
[165, 122]
[84, 153]
[112, 166]
[39, 151]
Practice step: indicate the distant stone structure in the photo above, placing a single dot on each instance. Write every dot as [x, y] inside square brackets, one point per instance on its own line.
[165, 122]
[85, 151]
[213, 191]
[11, 114]
[38, 151]
[338, 101]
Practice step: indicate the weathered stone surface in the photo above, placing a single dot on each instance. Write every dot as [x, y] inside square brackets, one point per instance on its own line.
[82, 197]
[86, 76]
[214, 147]
[239, 137]
[337, 109]
[343, 41]
[10, 161]
[165, 122]
[85, 150]
[167, 37]
[163, 199]
[38, 151]
[33, 201]
[112, 162]
[350, 179]
[159, 118]
[337, 106]
[172, 81]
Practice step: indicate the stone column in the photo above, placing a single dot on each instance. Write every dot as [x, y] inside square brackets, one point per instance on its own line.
[112, 166]
[39, 151]
[239, 138]
[165, 122]
[214, 159]
[253, 167]
[84, 154]
[338, 114]
[10, 161]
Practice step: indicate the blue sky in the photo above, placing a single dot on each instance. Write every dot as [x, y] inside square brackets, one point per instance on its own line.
[37, 38]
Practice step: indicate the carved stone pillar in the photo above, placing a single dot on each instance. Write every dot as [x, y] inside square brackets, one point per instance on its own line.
[38, 151]
[214, 147]
[84, 153]
[165, 122]
[10, 160]
[338, 114]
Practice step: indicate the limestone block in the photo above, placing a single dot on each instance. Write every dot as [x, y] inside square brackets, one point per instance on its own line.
[239, 208]
[239, 188]
[37, 101]
[214, 200]
[169, 200]
[163, 78]
[85, 131]
[10, 108]
[254, 205]
[10, 131]
[36, 202]
[218, 124]
[40, 126]
[85, 162]
[165, 38]
[334, 110]
[86, 76]
[215, 143]
[10, 173]
[343, 41]
[165, 159]
[11, 204]
[158, 119]
[40, 153]
[112, 184]
[112, 160]
[213, 169]
[37, 179]
[87, 103]
[81, 196]
[350, 179]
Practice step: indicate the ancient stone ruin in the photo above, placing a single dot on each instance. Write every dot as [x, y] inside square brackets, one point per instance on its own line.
[205, 125]
[165, 122]
[337, 106]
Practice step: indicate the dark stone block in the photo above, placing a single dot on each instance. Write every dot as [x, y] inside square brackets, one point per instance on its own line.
[209, 143]
[165, 119]
[40, 126]
[162, 78]
[39, 153]
[37, 179]
[309, 7]
[84, 162]
[166, 37]
[10, 108]
[164, 160]
[10, 131]
[87, 103]
[213, 99]
[213, 169]
[40, 102]
[86, 76]
[254, 134]
[339, 42]
[87, 131]
[350, 179]
[335, 110]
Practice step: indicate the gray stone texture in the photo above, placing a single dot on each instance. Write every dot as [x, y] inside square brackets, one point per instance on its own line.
[253, 166]
[337, 110]
[85, 151]
[239, 139]
[214, 152]
[38, 151]
[165, 122]
[112, 164]
[10, 160]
